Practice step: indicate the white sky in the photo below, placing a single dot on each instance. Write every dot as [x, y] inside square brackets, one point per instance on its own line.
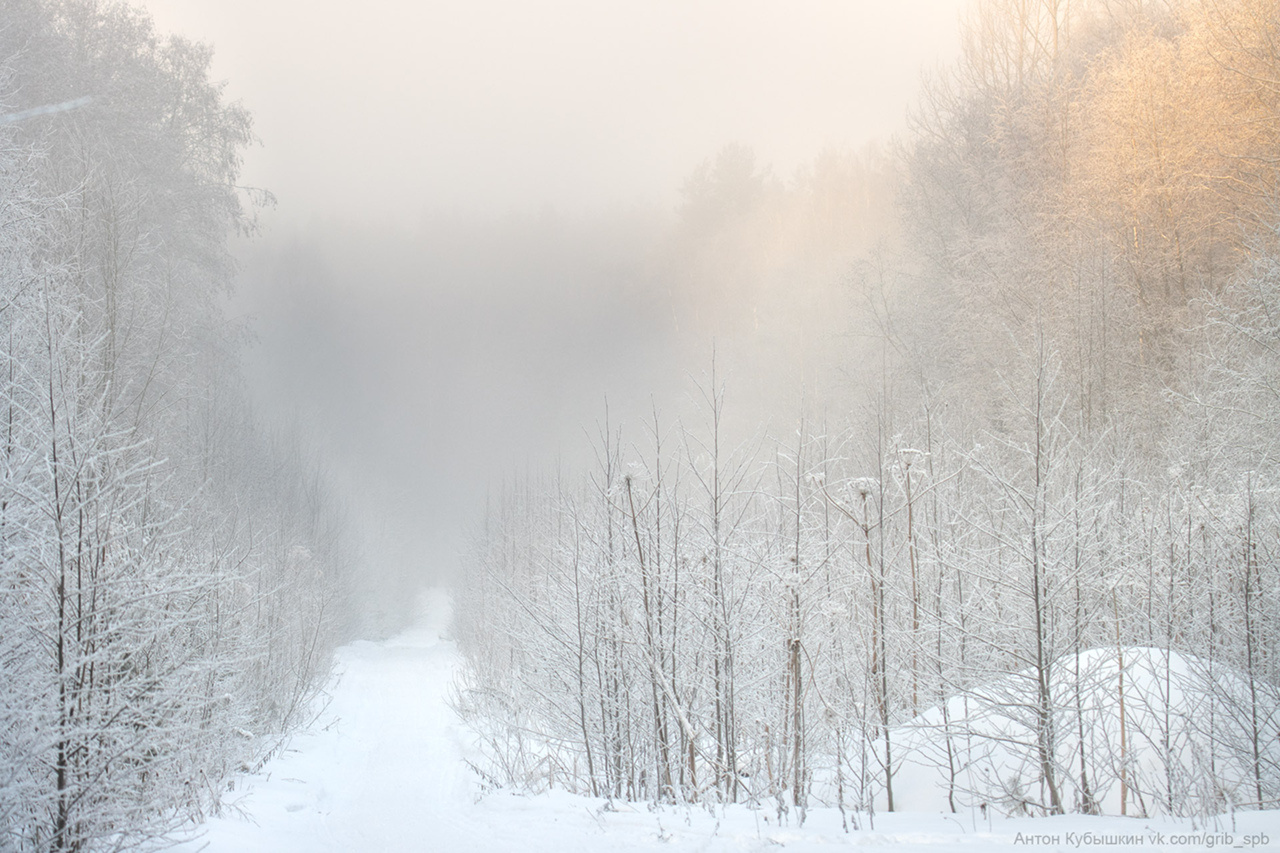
[381, 109]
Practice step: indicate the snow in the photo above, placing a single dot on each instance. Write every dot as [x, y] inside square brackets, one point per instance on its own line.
[1167, 697]
[384, 769]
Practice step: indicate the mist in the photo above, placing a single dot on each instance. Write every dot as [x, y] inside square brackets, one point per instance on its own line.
[431, 363]
[500, 106]
[471, 246]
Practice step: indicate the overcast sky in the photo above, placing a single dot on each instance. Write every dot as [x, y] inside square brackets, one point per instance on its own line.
[385, 108]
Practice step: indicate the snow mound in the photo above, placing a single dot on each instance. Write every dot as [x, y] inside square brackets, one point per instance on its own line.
[1139, 731]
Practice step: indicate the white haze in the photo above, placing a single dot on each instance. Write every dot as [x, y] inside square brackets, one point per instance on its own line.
[455, 273]
[381, 110]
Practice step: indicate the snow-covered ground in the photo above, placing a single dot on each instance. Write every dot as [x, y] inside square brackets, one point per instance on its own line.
[383, 770]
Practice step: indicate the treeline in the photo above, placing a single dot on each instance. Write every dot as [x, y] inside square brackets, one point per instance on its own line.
[1038, 552]
[168, 569]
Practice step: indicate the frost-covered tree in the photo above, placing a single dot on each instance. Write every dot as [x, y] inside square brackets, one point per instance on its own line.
[167, 575]
[1033, 549]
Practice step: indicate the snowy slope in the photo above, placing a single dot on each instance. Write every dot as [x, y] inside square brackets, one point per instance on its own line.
[1168, 717]
[383, 770]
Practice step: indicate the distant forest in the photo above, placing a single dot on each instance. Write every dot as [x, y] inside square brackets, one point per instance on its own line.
[1021, 530]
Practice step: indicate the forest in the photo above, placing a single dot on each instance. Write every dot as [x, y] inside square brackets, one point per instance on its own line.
[172, 573]
[1012, 540]
[940, 474]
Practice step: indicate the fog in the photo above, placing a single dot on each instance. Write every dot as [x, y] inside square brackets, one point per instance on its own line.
[479, 233]
[431, 364]
[382, 111]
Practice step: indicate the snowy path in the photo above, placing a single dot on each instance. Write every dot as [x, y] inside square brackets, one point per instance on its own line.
[382, 768]
[382, 772]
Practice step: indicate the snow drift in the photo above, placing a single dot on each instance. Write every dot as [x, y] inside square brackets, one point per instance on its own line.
[1136, 731]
